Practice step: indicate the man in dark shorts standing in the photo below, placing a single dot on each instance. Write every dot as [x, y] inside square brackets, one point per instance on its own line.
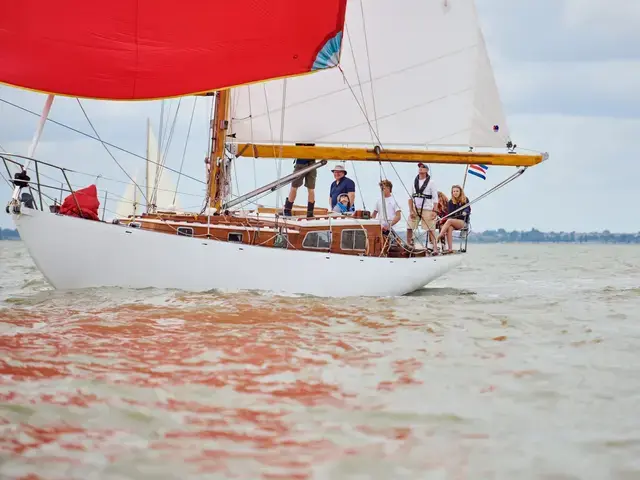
[309, 182]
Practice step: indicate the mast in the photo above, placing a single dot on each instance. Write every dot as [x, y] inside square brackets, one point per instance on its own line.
[216, 159]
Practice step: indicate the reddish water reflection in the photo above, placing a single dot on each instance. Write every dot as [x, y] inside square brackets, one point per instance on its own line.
[228, 386]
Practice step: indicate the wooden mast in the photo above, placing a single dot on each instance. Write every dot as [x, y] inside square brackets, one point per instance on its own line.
[388, 155]
[216, 159]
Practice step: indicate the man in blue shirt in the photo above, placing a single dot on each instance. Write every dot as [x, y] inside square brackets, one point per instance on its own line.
[342, 184]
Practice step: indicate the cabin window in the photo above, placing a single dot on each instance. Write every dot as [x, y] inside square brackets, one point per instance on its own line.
[281, 240]
[353, 240]
[320, 240]
[235, 237]
[185, 231]
[134, 224]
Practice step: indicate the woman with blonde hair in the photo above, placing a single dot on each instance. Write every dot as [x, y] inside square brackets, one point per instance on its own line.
[459, 219]
[442, 207]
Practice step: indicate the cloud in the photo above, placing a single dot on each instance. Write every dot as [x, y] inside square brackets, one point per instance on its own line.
[611, 18]
[599, 89]
[561, 30]
[593, 164]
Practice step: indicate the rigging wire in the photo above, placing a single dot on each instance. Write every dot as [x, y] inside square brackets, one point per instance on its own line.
[109, 151]
[490, 191]
[371, 127]
[381, 168]
[163, 156]
[7, 180]
[171, 131]
[279, 175]
[266, 103]
[111, 194]
[92, 175]
[95, 138]
[366, 45]
[355, 65]
[255, 174]
[184, 152]
[364, 103]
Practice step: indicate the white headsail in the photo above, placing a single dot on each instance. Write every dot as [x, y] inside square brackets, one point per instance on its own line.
[420, 72]
[156, 178]
[160, 186]
[130, 198]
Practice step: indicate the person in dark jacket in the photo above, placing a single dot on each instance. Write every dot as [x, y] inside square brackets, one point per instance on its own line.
[459, 219]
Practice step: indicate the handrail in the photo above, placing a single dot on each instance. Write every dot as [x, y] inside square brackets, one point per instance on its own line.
[15, 202]
[7, 154]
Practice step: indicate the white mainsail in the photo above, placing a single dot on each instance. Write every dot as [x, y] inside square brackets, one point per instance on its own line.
[159, 187]
[420, 72]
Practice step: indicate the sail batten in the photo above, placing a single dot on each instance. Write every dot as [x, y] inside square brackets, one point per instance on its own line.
[149, 49]
[411, 71]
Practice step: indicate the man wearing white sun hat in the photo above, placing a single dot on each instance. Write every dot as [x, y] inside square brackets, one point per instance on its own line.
[342, 184]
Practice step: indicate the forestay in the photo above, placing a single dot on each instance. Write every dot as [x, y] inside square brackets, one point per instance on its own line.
[432, 83]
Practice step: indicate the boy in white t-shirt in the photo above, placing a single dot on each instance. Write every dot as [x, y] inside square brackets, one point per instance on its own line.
[392, 209]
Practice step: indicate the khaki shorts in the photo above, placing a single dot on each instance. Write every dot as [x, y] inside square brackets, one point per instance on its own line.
[309, 178]
[428, 220]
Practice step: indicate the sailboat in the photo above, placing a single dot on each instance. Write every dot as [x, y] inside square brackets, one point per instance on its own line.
[376, 82]
[158, 185]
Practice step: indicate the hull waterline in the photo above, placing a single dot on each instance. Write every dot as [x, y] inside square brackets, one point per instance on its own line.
[74, 253]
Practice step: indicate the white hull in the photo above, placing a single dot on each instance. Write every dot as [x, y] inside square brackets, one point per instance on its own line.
[74, 253]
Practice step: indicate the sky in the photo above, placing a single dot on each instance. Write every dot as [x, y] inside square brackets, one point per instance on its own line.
[568, 72]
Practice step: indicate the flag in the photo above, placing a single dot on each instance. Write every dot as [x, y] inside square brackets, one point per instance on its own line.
[478, 170]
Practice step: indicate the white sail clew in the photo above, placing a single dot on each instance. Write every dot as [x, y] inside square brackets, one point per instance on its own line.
[425, 78]
[130, 198]
[154, 175]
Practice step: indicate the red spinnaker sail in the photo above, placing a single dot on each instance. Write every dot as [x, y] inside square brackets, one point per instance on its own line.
[146, 49]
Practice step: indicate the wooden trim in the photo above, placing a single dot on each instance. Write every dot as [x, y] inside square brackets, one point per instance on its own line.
[317, 232]
[352, 229]
[256, 233]
[296, 210]
[395, 155]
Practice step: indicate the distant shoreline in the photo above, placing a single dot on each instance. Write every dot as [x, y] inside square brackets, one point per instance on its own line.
[536, 236]
[499, 236]
[8, 234]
